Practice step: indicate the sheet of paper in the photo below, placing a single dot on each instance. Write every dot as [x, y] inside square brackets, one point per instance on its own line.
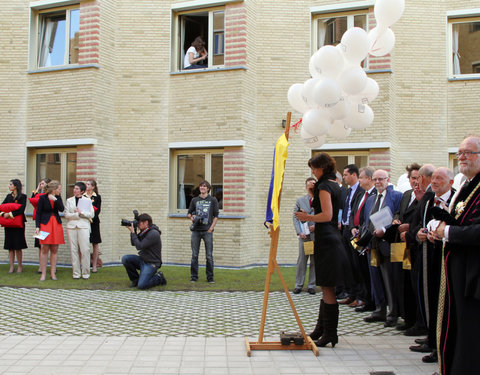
[382, 218]
[42, 235]
[305, 228]
[84, 204]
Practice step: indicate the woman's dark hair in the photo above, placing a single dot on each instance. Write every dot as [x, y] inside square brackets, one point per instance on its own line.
[325, 162]
[82, 186]
[145, 217]
[198, 43]
[94, 184]
[18, 185]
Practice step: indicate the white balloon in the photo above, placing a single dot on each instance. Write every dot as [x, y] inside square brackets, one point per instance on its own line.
[338, 130]
[387, 12]
[339, 110]
[316, 121]
[368, 94]
[328, 61]
[355, 44]
[327, 92]
[295, 98]
[312, 141]
[360, 116]
[353, 80]
[312, 69]
[307, 91]
[381, 43]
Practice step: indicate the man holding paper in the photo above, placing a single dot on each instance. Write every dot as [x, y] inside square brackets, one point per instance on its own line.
[382, 207]
[79, 214]
[305, 239]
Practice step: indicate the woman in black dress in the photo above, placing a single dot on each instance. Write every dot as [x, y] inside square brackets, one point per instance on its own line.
[329, 254]
[95, 238]
[15, 237]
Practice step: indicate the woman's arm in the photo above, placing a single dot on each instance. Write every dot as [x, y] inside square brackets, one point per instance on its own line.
[327, 210]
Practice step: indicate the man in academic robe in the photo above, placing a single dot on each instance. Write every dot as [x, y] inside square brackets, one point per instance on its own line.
[459, 300]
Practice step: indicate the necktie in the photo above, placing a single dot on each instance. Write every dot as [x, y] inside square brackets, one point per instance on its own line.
[356, 219]
[377, 204]
[346, 207]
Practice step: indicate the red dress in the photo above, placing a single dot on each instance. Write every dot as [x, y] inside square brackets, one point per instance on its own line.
[55, 229]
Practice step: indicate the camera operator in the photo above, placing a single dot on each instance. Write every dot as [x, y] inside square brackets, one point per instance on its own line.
[149, 258]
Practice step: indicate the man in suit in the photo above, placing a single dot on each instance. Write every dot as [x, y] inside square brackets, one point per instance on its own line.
[78, 230]
[406, 296]
[350, 177]
[386, 197]
[304, 233]
[442, 192]
[362, 272]
[459, 299]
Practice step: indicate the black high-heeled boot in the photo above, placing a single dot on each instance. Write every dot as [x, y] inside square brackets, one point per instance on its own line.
[330, 324]
[318, 331]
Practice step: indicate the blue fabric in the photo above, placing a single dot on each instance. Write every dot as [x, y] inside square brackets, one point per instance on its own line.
[147, 278]
[195, 242]
[269, 213]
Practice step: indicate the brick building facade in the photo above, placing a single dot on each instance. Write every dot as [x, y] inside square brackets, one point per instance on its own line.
[118, 106]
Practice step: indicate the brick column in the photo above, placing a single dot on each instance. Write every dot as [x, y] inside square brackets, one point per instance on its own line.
[234, 181]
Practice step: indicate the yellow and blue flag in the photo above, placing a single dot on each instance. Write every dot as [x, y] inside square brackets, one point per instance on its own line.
[280, 155]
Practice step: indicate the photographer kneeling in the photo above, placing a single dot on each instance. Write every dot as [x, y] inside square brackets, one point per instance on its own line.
[149, 258]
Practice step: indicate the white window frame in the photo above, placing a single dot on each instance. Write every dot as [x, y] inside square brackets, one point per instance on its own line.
[178, 38]
[38, 10]
[208, 152]
[454, 17]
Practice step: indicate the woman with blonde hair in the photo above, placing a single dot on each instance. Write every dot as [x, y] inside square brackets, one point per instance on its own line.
[48, 220]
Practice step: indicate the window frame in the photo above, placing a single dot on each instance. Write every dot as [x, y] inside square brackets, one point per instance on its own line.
[177, 49]
[457, 17]
[32, 166]
[174, 153]
[37, 14]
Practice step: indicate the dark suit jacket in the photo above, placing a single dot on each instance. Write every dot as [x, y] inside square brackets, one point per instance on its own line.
[406, 212]
[45, 210]
[355, 206]
[358, 193]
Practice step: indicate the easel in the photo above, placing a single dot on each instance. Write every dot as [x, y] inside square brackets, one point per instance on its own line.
[272, 266]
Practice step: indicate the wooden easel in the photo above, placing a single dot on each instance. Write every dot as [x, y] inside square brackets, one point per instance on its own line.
[272, 266]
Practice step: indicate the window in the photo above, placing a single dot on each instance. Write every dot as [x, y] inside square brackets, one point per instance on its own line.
[58, 37]
[190, 168]
[343, 158]
[207, 24]
[329, 28]
[56, 164]
[464, 46]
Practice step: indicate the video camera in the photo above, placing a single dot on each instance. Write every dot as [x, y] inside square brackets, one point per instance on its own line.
[197, 219]
[127, 223]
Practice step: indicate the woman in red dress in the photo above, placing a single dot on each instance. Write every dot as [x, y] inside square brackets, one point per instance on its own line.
[48, 220]
[40, 190]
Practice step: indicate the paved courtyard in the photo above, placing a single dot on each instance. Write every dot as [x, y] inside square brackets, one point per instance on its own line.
[150, 332]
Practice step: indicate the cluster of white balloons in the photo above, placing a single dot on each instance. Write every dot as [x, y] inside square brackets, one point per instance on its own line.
[336, 99]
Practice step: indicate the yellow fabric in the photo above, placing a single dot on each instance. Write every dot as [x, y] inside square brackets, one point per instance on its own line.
[281, 155]
[308, 247]
[397, 251]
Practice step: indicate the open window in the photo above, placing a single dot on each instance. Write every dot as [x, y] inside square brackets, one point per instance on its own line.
[464, 46]
[209, 24]
[58, 36]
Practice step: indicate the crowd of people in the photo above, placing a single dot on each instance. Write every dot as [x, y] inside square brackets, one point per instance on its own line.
[413, 255]
[81, 213]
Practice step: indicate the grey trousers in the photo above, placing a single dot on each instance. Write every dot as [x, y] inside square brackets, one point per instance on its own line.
[302, 268]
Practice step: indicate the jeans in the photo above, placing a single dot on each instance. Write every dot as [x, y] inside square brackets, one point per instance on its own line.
[148, 277]
[208, 240]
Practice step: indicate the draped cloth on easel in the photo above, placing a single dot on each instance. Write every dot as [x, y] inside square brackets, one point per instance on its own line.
[280, 155]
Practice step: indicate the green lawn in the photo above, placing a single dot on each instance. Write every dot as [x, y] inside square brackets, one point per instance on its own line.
[178, 278]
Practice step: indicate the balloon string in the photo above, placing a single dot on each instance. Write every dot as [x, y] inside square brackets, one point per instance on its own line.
[296, 126]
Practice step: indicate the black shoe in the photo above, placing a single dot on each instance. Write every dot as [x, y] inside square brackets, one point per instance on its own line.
[211, 281]
[161, 279]
[311, 291]
[134, 284]
[374, 318]
[423, 348]
[193, 280]
[365, 308]
[415, 331]
[430, 358]
[421, 341]
[402, 327]
[297, 290]
[390, 323]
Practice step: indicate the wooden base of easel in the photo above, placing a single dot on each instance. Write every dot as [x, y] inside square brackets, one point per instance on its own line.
[277, 345]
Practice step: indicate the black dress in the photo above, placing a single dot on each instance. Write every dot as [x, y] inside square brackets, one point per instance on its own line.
[329, 254]
[95, 225]
[15, 237]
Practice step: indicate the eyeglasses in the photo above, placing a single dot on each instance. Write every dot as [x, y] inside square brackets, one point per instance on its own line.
[466, 153]
[379, 179]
